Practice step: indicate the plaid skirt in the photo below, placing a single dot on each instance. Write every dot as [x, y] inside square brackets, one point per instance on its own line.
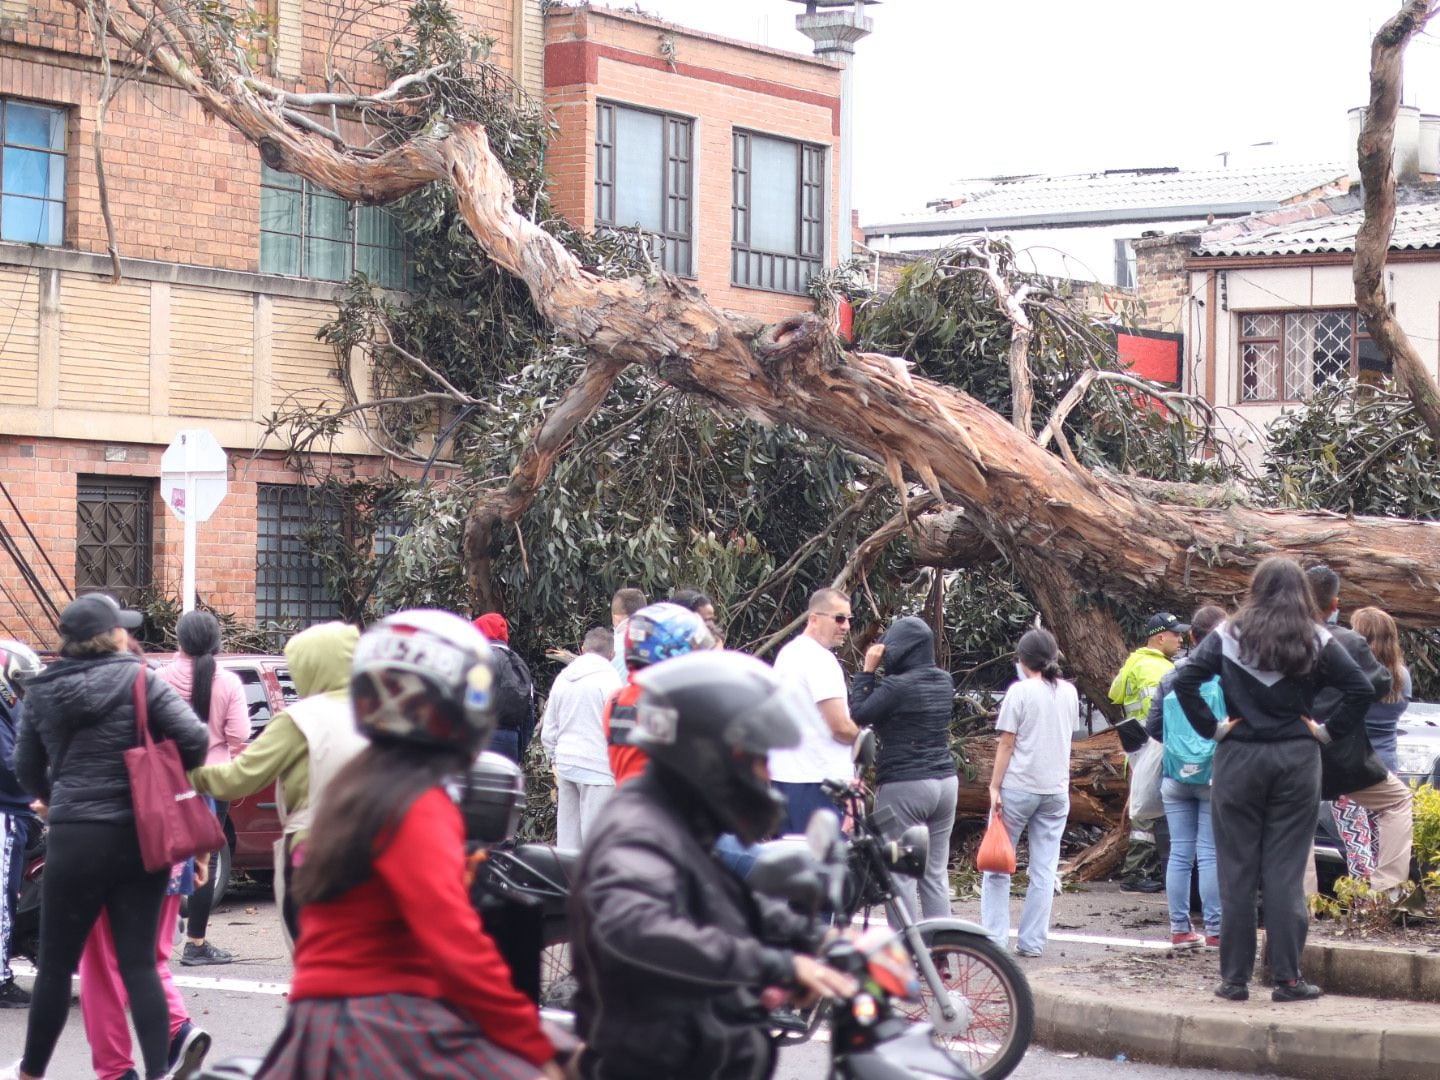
[386, 1037]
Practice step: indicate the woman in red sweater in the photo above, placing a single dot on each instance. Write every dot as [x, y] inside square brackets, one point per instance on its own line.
[394, 975]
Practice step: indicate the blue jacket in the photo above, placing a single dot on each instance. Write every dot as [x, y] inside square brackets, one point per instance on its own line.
[13, 798]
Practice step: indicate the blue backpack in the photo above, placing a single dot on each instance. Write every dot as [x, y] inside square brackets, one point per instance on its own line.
[1188, 754]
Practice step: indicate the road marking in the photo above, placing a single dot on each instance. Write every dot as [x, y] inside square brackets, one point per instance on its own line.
[198, 982]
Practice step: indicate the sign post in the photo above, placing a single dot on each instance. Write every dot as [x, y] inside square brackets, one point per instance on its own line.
[194, 477]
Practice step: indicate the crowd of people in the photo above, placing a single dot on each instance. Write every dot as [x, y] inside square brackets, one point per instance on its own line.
[672, 757]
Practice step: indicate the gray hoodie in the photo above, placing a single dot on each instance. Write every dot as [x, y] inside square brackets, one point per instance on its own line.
[573, 729]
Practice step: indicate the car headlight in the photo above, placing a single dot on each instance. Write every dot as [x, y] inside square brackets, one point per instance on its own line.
[1414, 758]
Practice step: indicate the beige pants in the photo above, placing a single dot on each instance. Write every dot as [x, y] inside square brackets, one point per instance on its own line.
[1393, 805]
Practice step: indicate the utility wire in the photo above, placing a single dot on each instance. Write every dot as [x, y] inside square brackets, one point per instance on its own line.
[31, 534]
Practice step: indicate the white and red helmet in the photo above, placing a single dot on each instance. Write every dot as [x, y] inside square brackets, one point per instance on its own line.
[425, 677]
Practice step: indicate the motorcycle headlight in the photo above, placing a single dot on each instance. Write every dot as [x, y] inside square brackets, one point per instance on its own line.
[1414, 757]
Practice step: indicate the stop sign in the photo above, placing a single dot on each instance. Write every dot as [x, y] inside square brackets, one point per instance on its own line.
[196, 463]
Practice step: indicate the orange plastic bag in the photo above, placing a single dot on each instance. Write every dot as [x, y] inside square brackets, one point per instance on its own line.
[996, 853]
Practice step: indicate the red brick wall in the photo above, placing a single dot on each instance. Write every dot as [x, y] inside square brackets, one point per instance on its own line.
[41, 475]
[593, 55]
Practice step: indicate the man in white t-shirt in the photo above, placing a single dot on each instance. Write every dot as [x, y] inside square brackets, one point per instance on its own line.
[824, 750]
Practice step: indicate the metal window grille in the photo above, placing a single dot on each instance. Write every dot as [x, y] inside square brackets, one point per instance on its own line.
[32, 173]
[290, 587]
[305, 231]
[1287, 356]
[788, 266]
[113, 536]
[668, 190]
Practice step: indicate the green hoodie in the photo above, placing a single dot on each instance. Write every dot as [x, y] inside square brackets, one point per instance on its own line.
[319, 664]
[1135, 685]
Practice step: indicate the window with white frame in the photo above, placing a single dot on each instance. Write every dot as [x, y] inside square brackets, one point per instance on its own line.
[643, 179]
[32, 172]
[1288, 355]
[777, 212]
[306, 231]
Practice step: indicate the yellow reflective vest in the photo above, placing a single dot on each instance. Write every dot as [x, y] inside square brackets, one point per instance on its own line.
[1135, 684]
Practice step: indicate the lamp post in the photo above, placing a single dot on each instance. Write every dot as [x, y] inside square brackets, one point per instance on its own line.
[835, 26]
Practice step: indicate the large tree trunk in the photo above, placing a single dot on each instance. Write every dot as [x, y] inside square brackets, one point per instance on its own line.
[1099, 784]
[1372, 243]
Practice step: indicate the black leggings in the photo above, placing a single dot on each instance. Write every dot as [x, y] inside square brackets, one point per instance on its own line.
[90, 866]
[197, 918]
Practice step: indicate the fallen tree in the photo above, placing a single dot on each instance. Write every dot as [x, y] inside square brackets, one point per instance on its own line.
[1081, 541]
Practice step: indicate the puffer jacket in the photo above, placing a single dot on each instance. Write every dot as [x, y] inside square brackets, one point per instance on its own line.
[79, 721]
[910, 708]
[672, 949]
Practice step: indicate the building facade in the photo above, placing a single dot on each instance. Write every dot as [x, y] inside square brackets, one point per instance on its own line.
[228, 269]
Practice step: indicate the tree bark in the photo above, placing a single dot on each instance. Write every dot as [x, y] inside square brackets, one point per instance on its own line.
[1099, 784]
[1372, 243]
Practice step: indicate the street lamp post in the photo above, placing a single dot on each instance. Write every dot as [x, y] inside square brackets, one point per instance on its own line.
[836, 26]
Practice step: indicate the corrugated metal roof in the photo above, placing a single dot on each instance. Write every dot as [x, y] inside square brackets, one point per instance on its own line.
[1134, 194]
[1417, 227]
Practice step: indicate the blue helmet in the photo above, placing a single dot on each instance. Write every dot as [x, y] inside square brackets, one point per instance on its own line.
[661, 631]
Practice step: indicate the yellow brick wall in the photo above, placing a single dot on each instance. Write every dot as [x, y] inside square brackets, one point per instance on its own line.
[212, 343]
[19, 336]
[105, 345]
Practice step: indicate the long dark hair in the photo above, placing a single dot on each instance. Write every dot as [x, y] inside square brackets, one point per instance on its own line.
[1038, 651]
[198, 633]
[1276, 625]
[363, 807]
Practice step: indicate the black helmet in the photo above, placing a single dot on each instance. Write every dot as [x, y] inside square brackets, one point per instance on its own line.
[424, 677]
[705, 717]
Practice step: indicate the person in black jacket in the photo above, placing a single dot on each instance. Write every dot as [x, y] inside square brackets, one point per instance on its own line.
[1272, 659]
[910, 711]
[671, 949]
[79, 721]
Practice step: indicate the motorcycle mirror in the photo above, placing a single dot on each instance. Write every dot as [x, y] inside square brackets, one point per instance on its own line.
[787, 874]
[821, 833]
[863, 750]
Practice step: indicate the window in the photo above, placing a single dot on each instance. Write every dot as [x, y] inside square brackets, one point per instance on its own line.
[1286, 356]
[114, 520]
[305, 231]
[778, 213]
[290, 586]
[643, 179]
[1124, 264]
[32, 173]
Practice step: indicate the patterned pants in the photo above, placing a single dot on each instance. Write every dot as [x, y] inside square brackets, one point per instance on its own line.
[13, 832]
[1357, 831]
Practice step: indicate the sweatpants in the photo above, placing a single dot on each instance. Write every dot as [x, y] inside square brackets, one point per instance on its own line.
[91, 866]
[577, 806]
[931, 803]
[1264, 800]
[103, 999]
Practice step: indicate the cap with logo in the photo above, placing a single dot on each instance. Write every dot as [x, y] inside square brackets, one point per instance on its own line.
[1164, 620]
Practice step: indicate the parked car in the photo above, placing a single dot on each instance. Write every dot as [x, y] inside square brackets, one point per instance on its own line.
[1417, 755]
[253, 825]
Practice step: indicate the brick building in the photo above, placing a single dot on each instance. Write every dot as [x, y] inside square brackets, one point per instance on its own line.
[229, 269]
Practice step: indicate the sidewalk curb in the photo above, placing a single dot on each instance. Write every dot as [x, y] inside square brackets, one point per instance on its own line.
[1070, 1020]
[1371, 971]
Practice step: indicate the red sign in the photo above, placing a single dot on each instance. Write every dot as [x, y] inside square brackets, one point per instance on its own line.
[1151, 354]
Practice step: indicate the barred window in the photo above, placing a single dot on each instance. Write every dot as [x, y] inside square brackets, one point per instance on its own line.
[290, 587]
[32, 173]
[1288, 355]
[777, 212]
[306, 231]
[643, 179]
[114, 536]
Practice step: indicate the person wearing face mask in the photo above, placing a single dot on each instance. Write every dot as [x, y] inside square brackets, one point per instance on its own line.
[1030, 787]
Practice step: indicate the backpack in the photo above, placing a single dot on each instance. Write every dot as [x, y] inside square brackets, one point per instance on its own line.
[513, 691]
[1188, 754]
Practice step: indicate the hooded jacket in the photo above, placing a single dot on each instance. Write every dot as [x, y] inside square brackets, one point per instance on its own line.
[910, 708]
[573, 730]
[319, 664]
[80, 720]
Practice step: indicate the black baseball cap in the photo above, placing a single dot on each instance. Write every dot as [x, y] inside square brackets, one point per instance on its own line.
[1164, 620]
[94, 614]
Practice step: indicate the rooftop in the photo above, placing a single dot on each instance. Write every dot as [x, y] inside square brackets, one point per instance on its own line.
[1118, 195]
[1328, 226]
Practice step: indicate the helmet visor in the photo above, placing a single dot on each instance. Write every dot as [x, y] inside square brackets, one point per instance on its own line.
[775, 723]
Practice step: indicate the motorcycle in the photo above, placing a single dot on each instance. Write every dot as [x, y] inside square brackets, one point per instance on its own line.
[972, 993]
[871, 1038]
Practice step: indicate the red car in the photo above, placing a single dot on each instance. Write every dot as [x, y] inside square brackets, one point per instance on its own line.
[254, 825]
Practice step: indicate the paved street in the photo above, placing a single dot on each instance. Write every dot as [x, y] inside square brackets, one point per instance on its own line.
[243, 1007]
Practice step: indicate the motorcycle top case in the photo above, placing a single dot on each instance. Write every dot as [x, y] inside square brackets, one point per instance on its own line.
[491, 798]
